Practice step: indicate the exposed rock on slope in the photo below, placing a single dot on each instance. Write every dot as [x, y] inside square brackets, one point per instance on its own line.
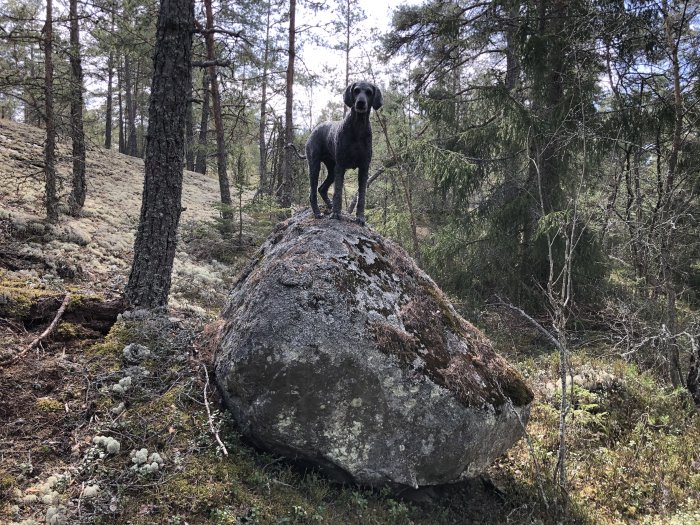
[338, 350]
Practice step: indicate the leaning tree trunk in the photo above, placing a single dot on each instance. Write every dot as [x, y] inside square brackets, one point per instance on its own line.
[224, 186]
[76, 200]
[285, 193]
[154, 249]
[200, 163]
[50, 146]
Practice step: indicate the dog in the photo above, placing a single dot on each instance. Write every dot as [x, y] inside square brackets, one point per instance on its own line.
[343, 145]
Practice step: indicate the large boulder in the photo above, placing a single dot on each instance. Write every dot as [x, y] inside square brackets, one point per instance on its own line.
[337, 350]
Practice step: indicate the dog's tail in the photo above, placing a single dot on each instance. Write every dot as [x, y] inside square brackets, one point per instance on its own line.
[292, 146]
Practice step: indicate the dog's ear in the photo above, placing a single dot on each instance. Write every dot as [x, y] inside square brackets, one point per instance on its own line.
[349, 95]
[378, 99]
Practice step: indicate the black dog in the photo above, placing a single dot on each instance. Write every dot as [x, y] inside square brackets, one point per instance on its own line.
[341, 146]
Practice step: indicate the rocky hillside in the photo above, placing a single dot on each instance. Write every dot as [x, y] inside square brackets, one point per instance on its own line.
[97, 246]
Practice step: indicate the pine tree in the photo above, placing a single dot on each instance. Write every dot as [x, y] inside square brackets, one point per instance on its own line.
[76, 200]
[156, 238]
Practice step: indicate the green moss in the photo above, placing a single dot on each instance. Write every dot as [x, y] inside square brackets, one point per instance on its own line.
[108, 352]
[476, 377]
[7, 482]
[17, 299]
[49, 404]
[448, 316]
[68, 330]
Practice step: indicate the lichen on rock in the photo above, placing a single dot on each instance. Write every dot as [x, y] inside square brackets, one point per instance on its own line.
[337, 350]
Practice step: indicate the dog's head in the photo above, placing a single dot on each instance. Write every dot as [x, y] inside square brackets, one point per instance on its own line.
[361, 96]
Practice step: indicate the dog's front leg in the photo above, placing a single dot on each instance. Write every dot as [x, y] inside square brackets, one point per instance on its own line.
[363, 175]
[338, 192]
[314, 169]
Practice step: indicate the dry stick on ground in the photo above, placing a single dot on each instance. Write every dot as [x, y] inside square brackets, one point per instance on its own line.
[541, 329]
[50, 329]
[209, 418]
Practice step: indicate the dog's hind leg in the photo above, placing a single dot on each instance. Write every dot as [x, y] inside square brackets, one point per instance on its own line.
[323, 189]
[314, 169]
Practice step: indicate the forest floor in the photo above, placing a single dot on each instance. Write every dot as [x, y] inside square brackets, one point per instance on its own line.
[91, 434]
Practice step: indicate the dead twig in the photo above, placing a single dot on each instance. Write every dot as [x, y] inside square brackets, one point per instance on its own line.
[49, 330]
[541, 329]
[209, 418]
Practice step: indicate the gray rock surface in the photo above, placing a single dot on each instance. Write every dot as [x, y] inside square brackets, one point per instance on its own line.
[337, 350]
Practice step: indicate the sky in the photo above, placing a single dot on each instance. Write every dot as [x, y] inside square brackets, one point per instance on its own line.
[316, 59]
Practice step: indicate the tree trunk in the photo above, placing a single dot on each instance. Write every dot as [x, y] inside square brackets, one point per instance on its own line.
[224, 187]
[189, 133]
[285, 193]
[200, 165]
[154, 248]
[693, 380]
[122, 138]
[667, 210]
[108, 112]
[138, 133]
[50, 146]
[545, 147]
[347, 51]
[76, 200]
[262, 166]
[131, 147]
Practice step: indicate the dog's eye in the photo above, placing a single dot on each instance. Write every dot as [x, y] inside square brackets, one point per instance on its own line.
[357, 91]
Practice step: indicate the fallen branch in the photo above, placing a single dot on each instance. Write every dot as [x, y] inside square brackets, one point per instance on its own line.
[541, 329]
[50, 329]
[209, 418]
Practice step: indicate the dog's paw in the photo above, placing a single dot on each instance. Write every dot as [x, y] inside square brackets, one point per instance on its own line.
[318, 215]
[360, 219]
[336, 215]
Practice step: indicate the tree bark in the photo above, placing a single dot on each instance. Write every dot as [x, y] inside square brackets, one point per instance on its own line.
[50, 146]
[224, 186]
[131, 147]
[108, 109]
[76, 200]
[262, 166]
[154, 248]
[673, 40]
[200, 165]
[189, 133]
[347, 51]
[122, 138]
[110, 94]
[285, 193]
